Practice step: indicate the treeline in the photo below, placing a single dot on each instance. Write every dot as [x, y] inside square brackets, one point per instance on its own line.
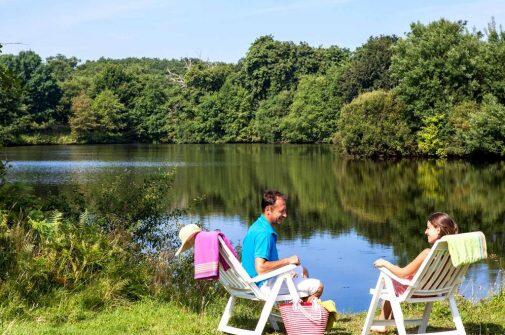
[439, 91]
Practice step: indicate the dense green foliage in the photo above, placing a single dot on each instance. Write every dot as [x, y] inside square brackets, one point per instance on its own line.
[374, 124]
[76, 254]
[368, 68]
[279, 92]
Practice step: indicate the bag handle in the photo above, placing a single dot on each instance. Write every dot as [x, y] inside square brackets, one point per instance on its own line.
[296, 301]
[298, 306]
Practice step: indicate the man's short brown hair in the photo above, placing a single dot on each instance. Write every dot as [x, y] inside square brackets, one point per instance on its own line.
[269, 198]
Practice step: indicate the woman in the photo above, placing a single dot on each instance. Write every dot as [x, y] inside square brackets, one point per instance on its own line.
[438, 225]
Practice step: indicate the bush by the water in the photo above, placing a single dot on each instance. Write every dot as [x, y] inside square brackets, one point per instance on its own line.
[374, 124]
[101, 249]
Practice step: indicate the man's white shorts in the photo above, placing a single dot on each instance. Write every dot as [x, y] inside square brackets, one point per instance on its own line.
[304, 286]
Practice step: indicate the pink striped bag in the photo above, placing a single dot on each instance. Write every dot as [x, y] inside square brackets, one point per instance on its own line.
[304, 318]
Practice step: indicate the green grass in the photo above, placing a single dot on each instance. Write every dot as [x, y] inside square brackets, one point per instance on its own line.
[147, 317]
[154, 317]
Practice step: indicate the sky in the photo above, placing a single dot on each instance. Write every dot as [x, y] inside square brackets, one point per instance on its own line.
[215, 30]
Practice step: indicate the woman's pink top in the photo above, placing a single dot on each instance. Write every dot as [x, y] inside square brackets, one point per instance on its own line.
[400, 288]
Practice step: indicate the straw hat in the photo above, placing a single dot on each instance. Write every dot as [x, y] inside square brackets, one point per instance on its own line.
[186, 235]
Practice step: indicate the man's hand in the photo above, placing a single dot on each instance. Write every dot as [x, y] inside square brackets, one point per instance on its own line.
[294, 260]
[305, 272]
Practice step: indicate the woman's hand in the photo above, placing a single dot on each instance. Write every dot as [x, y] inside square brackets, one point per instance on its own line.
[381, 263]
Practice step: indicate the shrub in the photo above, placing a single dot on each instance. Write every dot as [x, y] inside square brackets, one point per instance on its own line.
[43, 254]
[458, 127]
[373, 125]
[119, 249]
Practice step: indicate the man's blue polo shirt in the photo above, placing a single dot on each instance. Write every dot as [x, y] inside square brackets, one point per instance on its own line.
[260, 241]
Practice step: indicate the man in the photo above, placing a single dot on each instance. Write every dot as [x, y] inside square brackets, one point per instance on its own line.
[259, 250]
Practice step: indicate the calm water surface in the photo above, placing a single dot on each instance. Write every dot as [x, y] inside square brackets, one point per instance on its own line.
[342, 214]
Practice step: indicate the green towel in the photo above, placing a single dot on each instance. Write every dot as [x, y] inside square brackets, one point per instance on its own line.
[466, 248]
[330, 306]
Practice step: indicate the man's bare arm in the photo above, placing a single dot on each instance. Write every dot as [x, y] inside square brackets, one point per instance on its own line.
[264, 266]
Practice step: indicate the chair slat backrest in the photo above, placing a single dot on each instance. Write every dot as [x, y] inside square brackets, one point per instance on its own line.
[236, 279]
[436, 276]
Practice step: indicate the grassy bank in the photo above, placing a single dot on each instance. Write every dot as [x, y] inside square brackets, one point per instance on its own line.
[154, 317]
[44, 139]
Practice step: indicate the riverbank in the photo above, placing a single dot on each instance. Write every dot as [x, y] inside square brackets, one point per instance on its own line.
[44, 139]
[153, 317]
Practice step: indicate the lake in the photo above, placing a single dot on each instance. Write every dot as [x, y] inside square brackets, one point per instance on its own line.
[342, 214]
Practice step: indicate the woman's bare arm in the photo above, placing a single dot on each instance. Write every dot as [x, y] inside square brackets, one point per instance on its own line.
[406, 271]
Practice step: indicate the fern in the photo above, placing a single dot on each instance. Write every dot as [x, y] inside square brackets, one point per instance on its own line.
[55, 220]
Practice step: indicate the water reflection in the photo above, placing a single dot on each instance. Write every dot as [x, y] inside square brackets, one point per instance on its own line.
[342, 213]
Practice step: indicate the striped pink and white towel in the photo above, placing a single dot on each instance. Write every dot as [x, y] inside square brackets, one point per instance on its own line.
[207, 258]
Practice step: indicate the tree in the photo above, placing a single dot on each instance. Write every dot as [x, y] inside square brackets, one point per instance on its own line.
[271, 66]
[23, 65]
[207, 77]
[314, 112]
[102, 119]
[180, 111]
[268, 117]
[10, 105]
[40, 94]
[149, 113]
[111, 114]
[207, 126]
[235, 105]
[494, 62]
[61, 66]
[368, 68]
[84, 122]
[268, 67]
[119, 81]
[331, 57]
[436, 65]
[486, 133]
[374, 125]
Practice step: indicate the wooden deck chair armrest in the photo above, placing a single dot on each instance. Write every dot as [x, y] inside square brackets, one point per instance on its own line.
[395, 277]
[274, 273]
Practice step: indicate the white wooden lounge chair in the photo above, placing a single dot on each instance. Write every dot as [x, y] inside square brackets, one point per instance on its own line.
[240, 285]
[437, 279]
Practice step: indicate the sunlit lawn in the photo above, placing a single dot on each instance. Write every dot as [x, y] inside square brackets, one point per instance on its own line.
[151, 317]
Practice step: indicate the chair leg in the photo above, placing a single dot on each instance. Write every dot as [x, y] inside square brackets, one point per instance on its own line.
[269, 304]
[399, 320]
[374, 303]
[227, 313]
[456, 317]
[426, 317]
